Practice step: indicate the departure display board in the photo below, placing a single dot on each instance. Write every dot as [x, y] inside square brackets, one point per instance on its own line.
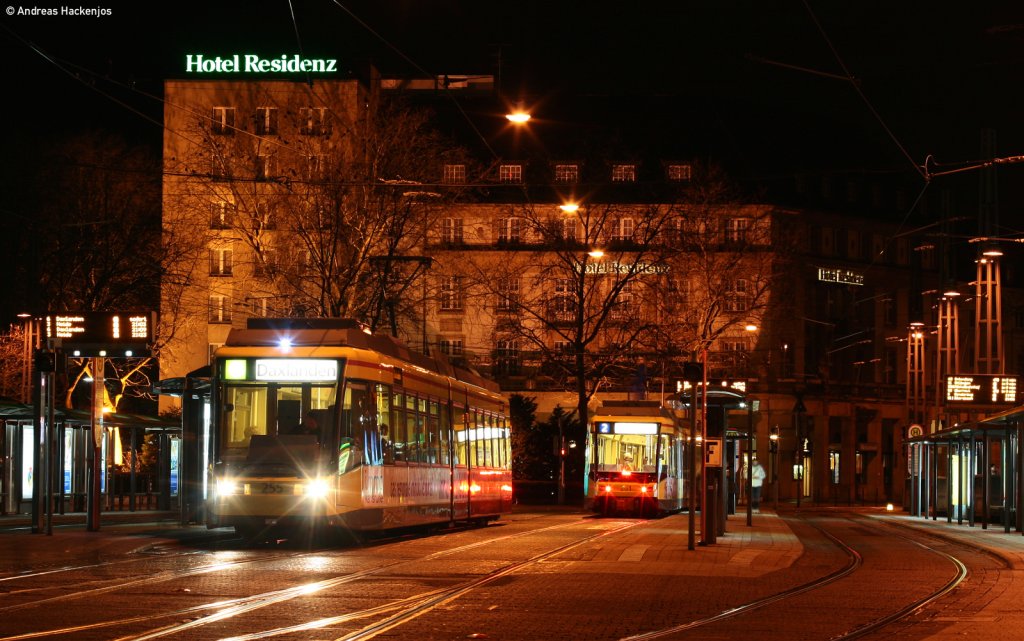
[101, 333]
[982, 389]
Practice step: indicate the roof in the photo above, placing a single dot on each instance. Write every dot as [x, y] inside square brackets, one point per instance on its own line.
[995, 423]
[24, 412]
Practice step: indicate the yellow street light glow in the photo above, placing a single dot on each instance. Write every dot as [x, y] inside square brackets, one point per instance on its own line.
[595, 253]
[569, 208]
[518, 117]
[751, 327]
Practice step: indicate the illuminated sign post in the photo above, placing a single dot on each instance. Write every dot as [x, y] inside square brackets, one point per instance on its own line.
[981, 389]
[91, 334]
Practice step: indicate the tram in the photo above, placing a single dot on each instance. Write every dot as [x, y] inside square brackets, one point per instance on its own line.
[634, 459]
[319, 424]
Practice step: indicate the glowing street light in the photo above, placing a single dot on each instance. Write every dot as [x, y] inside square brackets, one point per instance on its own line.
[569, 208]
[518, 117]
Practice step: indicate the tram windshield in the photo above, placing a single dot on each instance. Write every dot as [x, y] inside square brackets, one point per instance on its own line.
[632, 455]
[276, 422]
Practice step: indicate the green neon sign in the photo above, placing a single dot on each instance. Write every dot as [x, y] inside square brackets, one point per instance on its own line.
[249, 63]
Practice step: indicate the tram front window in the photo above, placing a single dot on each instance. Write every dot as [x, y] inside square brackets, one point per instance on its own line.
[270, 422]
[625, 455]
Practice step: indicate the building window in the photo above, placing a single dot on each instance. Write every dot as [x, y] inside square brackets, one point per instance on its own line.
[570, 227]
[451, 294]
[265, 167]
[220, 261]
[568, 173]
[264, 217]
[624, 173]
[316, 166]
[266, 121]
[828, 241]
[507, 357]
[736, 230]
[889, 311]
[314, 121]
[454, 175]
[266, 262]
[220, 309]
[261, 306]
[560, 306]
[510, 173]
[451, 231]
[211, 350]
[853, 244]
[624, 229]
[508, 294]
[223, 120]
[222, 215]
[510, 230]
[737, 296]
[679, 173]
[625, 306]
[453, 348]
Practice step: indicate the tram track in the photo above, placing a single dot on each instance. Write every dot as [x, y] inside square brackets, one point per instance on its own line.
[855, 562]
[224, 610]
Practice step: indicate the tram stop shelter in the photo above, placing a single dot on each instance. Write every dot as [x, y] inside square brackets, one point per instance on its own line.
[723, 482]
[130, 489]
[970, 472]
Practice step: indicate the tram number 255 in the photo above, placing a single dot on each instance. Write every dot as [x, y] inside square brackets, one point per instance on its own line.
[272, 488]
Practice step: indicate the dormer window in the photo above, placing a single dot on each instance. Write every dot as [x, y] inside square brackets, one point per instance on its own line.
[679, 173]
[567, 173]
[454, 175]
[625, 173]
[512, 173]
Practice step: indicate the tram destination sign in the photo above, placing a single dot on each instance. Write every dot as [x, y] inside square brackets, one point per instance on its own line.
[982, 389]
[101, 333]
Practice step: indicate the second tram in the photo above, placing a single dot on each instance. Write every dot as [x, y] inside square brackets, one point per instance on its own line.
[319, 423]
[634, 462]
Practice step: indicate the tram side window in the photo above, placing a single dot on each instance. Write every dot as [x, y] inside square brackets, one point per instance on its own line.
[482, 444]
[386, 452]
[490, 442]
[664, 455]
[413, 430]
[459, 431]
[357, 419]
[433, 437]
[398, 435]
[444, 434]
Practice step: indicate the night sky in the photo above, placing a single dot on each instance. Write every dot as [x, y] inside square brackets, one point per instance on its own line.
[760, 84]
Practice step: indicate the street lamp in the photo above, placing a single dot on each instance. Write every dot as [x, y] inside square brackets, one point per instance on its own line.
[518, 117]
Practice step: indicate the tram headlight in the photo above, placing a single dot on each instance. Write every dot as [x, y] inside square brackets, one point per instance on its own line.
[227, 487]
[318, 489]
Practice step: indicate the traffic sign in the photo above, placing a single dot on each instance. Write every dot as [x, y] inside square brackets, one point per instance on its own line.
[713, 452]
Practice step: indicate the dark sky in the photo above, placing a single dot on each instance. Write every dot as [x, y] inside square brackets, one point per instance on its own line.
[766, 74]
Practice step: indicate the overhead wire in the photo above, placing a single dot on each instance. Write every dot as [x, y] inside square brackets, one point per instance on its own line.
[856, 87]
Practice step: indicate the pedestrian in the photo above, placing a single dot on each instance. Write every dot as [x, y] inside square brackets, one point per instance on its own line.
[756, 481]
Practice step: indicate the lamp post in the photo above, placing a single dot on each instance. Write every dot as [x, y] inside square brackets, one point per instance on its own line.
[773, 464]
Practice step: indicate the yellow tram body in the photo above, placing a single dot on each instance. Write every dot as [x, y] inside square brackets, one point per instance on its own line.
[318, 423]
[635, 460]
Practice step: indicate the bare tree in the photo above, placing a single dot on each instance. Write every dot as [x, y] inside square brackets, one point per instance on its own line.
[95, 231]
[319, 210]
[566, 284]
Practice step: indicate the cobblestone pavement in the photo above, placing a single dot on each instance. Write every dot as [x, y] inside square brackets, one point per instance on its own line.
[752, 561]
